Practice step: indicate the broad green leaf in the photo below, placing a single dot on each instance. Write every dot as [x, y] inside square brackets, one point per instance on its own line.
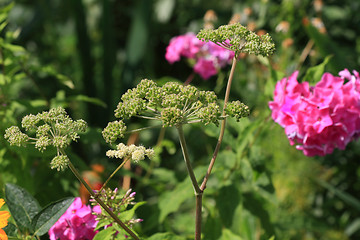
[227, 200]
[48, 216]
[165, 236]
[228, 235]
[171, 201]
[256, 205]
[246, 170]
[127, 215]
[244, 223]
[212, 228]
[23, 207]
[105, 234]
[13, 48]
[313, 74]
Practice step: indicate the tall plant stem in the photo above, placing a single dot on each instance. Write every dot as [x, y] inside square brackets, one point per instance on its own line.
[223, 124]
[101, 203]
[198, 191]
[198, 216]
[187, 160]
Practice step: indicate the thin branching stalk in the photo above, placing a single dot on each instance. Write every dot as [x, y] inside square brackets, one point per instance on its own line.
[223, 124]
[111, 176]
[101, 203]
[198, 191]
[187, 159]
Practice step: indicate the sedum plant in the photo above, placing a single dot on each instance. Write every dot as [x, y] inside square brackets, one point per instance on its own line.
[172, 105]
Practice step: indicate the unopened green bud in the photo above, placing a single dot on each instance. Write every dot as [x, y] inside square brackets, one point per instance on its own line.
[171, 116]
[237, 109]
[15, 136]
[210, 114]
[29, 122]
[42, 143]
[43, 130]
[59, 162]
[113, 131]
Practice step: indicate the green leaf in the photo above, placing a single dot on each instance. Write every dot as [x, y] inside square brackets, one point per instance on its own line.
[47, 217]
[227, 200]
[256, 205]
[50, 70]
[314, 74]
[212, 228]
[127, 215]
[23, 207]
[105, 234]
[2, 25]
[228, 235]
[171, 201]
[165, 236]
[14, 48]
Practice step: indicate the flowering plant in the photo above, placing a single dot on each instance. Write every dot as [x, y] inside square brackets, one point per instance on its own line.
[78, 222]
[4, 215]
[319, 118]
[208, 56]
[172, 104]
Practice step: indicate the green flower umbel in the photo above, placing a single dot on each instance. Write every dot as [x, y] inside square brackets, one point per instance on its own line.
[53, 128]
[171, 104]
[238, 38]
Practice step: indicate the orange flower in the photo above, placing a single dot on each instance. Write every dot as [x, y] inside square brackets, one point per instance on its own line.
[4, 215]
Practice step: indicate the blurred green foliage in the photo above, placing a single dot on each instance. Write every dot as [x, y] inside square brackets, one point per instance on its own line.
[83, 54]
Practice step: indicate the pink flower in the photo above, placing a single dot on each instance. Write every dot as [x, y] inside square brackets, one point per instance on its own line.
[205, 68]
[208, 56]
[78, 222]
[320, 118]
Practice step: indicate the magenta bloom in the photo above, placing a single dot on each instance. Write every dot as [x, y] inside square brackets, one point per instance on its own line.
[208, 56]
[77, 223]
[319, 118]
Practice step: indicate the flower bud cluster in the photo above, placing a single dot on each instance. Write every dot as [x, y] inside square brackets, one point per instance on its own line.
[238, 38]
[237, 110]
[173, 104]
[119, 205]
[135, 153]
[319, 118]
[51, 128]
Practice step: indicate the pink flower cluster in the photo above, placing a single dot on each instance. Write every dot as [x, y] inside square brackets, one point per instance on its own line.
[208, 56]
[319, 118]
[77, 223]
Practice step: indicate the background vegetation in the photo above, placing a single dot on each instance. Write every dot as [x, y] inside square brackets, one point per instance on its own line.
[83, 54]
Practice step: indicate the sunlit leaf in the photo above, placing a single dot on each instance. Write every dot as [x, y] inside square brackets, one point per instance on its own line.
[48, 216]
[23, 207]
